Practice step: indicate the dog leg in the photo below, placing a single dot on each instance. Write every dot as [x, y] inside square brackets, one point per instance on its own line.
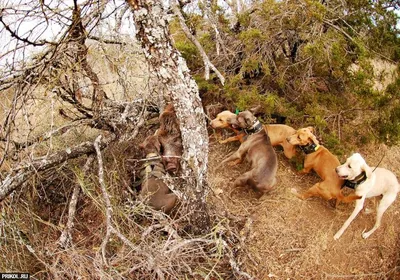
[308, 166]
[349, 198]
[313, 191]
[357, 209]
[230, 139]
[234, 156]
[385, 202]
[238, 156]
[288, 150]
[225, 160]
[169, 202]
[346, 199]
[242, 180]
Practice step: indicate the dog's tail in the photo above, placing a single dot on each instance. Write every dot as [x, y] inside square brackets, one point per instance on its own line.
[350, 198]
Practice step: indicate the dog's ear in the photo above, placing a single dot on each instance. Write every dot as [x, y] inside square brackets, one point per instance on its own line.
[314, 139]
[256, 110]
[232, 120]
[367, 169]
[156, 143]
[247, 118]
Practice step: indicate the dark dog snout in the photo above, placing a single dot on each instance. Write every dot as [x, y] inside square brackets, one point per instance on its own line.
[171, 168]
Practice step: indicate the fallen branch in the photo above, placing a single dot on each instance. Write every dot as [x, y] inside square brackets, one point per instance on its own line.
[25, 171]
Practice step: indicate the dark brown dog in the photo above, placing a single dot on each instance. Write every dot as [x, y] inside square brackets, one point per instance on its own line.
[260, 154]
[154, 191]
[276, 132]
[169, 135]
[323, 162]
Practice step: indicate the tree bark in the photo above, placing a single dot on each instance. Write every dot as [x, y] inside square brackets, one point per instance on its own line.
[166, 63]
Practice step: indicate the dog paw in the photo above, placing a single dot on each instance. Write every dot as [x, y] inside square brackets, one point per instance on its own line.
[368, 211]
[222, 141]
[365, 235]
[218, 191]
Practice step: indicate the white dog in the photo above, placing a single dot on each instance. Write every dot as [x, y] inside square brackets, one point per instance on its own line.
[368, 182]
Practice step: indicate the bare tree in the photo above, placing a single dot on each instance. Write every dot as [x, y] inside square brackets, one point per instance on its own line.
[56, 103]
[166, 63]
[61, 68]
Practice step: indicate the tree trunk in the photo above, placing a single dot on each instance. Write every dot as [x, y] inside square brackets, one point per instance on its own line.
[166, 63]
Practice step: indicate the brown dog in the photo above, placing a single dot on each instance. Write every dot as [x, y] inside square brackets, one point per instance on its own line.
[154, 191]
[260, 154]
[323, 163]
[169, 135]
[276, 132]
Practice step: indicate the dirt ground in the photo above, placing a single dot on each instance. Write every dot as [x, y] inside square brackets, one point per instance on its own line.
[287, 238]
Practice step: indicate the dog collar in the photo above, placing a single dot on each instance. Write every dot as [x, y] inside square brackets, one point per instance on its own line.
[310, 148]
[255, 128]
[353, 184]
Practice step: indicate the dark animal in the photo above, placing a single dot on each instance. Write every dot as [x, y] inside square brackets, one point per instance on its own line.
[154, 191]
[169, 136]
[259, 152]
[276, 132]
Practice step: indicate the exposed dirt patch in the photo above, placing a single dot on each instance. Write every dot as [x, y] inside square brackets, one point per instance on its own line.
[288, 238]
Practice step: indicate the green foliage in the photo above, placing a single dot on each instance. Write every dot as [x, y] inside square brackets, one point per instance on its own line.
[251, 39]
[332, 142]
[388, 123]
[309, 60]
[206, 86]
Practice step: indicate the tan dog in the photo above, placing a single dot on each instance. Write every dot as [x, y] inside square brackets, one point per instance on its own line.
[223, 120]
[323, 162]
[154, 191]
[258, 151]
[276, 132]
[368, 182]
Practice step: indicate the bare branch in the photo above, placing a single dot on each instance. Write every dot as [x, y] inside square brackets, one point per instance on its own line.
[106, 198]
[65, 239]
[206, 60]
[25, 171]
[25, 40]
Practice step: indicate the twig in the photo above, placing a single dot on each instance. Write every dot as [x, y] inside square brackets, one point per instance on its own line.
[109, 223]
[206, 60]
[65, 239]
[106, 198]
[24, 171]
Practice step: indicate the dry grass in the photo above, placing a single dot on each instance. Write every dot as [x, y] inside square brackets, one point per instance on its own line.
[293, 239]
[275, 237]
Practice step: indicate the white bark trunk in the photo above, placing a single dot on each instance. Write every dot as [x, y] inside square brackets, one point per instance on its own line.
[170, 68]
